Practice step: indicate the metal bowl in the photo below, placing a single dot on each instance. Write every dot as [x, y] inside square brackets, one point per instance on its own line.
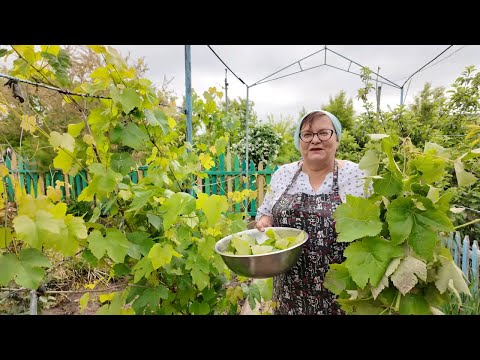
[262, 265]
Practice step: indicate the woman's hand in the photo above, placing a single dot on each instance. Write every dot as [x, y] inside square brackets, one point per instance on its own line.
[263, 222]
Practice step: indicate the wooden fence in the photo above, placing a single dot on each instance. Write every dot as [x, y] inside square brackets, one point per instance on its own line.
[465, 255]
[226, 176]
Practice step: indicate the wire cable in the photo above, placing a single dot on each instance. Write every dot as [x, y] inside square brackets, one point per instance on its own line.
[436, 57]
[223, 62]
[62, 91]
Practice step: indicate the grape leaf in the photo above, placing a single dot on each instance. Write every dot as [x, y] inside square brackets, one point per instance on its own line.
[157, 118]
[142, 269]
[449, 271]
[423, 240]
[26, 230]
[200, 278]
[430, 167]
[388, 186]
[150, 297]
[115, 244]
[83, 302]
[5, 237]
[464, 178]
[122, 163]
[212, 206]
[407, 274]
[75, 129]
[134, 137]
[338, 279]
[128, 99]
[357, 218]
[384, 282]
[414, 304]
[241, 245]
[65, 141]
[369, 162]
[177, 204]
[369, 258]
[63, 161]
[161, 255]
[141, 240]
[8, 268]
[360, 307]
[261, 249]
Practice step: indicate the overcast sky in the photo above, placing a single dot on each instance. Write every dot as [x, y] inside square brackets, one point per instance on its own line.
[311, 88]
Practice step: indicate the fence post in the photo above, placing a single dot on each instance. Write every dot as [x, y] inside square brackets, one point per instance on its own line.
[475, 266]
[252, 183]
[221, 168]
[465, 256]
[229, 177]
[457, 245]
[260, 184]
[236, 168]
[33, 302]
[41, 184]
[67, 186]
[214, 177]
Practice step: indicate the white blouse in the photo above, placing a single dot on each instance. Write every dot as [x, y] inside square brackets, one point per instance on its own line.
[350, 181]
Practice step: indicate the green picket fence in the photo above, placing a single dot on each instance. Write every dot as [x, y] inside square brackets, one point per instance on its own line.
[226, 176]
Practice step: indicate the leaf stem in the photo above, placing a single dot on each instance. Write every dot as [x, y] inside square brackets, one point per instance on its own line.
[469, 223]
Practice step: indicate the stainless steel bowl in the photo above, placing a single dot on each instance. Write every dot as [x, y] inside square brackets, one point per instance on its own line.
[262, 265]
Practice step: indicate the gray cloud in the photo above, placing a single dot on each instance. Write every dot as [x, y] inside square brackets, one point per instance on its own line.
[309, 89]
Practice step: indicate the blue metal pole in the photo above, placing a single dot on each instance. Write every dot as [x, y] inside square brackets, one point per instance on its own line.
[246, 153]
[188, 92]
[188, 99]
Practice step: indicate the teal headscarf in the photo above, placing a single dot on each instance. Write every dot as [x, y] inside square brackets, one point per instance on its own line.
[335, 122]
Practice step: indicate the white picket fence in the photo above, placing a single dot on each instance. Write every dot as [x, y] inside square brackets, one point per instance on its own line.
[465, 255]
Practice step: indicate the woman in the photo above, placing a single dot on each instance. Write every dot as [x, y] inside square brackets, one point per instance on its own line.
[304, 195]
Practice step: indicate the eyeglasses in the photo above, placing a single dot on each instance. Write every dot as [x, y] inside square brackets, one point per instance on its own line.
[323, 135]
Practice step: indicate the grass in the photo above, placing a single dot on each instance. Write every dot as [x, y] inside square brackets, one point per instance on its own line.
[470, 305]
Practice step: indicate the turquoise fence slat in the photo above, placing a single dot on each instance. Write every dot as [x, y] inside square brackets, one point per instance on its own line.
[134, 177]
[84, 179]
[475, 265]
[252, 182]
[213, 174]
[466, 256]
[458, 246]
[221, 168]
[35, 183]
[207, 186]
[236, 168]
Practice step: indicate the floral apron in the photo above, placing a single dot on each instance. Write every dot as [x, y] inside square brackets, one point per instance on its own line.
[300, 291]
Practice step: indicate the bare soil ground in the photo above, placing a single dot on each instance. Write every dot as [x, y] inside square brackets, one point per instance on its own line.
[68, 304]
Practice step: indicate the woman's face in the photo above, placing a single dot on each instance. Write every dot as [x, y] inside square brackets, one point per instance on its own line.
[319, 151]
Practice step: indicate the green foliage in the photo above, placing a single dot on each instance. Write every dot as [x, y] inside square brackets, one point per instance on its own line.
[348, 148]
[154, 234]
[263, 144]
[285, 128]
[342, 109]
[465, 305]
[396, 264]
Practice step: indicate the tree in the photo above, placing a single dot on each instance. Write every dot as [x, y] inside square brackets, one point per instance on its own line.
[73, 66]
[342, 109]
[285, 128]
